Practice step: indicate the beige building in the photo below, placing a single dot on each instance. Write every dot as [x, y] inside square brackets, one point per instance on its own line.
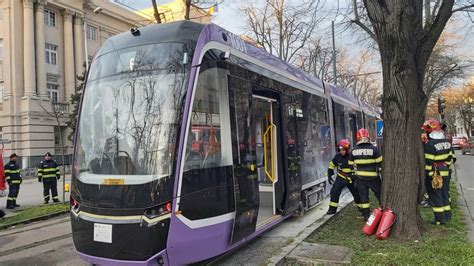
[42, 50]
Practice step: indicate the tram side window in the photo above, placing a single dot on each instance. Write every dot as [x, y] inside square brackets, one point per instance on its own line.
[314, 138]
[339, 121]
[210, 128]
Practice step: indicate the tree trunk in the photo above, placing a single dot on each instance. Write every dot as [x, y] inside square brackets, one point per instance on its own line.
[396, 25]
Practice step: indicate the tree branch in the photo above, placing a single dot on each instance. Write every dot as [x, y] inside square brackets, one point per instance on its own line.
[464, 8]
[365, 28]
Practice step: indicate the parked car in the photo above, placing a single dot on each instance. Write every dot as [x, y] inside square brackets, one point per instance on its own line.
[468, 146]
[456, 143]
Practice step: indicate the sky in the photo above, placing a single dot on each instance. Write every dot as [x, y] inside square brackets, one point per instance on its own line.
[229, 16]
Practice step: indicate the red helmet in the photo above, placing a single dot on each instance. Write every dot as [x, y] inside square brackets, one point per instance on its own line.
[431, 125]
[362, 136]
[344, 144]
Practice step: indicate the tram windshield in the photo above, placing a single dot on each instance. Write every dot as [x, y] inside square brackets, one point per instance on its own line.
[130, 113]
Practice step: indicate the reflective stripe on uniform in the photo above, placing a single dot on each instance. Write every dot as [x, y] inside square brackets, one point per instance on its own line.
[442, 173]
[16, 181]
[351, 162]
[438, 209]
[447, 208]
[333, 204]
[441, 157]
[55, 197]
[364, 205]
[345, 170]
[11, 198]
[364, 161]
[429, 156]
[378, 159]
[366, 173]
[49, 175]
[331, 165]
[428, 167]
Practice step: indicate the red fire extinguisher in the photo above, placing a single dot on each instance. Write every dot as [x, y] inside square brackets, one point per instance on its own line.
[372, 222]
[386, 223]
[3, 188]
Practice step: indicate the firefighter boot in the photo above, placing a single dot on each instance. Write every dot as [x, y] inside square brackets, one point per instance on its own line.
[332, 210]
[2, 214]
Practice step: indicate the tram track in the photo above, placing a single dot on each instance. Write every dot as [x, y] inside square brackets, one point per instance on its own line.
[32, 245]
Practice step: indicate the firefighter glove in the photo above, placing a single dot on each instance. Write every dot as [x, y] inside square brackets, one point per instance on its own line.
[331, 180]
[39, 179]
[58, 177]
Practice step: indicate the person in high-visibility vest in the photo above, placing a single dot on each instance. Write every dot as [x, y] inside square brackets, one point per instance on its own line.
[13, 178]
[48, 173]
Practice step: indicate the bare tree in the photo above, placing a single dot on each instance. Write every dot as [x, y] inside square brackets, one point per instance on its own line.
[316, 59]
[405, 42]
[283, 28]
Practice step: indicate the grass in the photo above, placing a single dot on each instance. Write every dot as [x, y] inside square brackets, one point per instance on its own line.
[438, 245]
[34, 212]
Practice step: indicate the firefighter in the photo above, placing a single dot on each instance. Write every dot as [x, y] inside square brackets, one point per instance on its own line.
[48, 172]
[343, 178]
[365, 162]
[438, 157]
[13, 178]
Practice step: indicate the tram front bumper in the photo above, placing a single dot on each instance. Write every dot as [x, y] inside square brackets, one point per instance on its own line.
[116, 242]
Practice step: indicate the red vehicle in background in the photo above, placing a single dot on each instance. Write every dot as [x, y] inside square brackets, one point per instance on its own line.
[456, 143]
[467, 146]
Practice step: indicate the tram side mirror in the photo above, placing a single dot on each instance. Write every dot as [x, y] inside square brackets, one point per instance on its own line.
[224, 56]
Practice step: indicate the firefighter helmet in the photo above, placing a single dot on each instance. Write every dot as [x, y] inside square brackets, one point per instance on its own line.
[363, 136]
[344, 144]
[431, 125]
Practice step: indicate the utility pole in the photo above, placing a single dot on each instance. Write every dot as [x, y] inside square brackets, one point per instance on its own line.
[334, 53]
[188, 6]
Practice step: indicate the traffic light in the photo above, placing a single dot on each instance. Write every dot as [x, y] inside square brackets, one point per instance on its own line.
[441, 105]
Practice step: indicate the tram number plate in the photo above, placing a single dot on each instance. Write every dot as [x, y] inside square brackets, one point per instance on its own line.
[113, 181]
[103, 233]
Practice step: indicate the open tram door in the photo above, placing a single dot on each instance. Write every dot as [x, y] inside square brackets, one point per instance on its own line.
[256, 167]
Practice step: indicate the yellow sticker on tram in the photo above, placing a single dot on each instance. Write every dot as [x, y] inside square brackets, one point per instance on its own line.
[114, 181]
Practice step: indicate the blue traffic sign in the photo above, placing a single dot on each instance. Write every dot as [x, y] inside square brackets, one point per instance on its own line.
[325, 132]
[379, 124]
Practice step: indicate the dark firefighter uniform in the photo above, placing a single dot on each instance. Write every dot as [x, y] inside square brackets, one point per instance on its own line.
[343, 179]
[364, 161]
[13, 177]
[438, 157]
[48, 172]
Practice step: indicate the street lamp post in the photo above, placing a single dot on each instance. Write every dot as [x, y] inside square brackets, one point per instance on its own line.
[96, 10]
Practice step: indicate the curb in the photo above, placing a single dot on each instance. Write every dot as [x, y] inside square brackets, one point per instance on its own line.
[39, 218]
[279, 259]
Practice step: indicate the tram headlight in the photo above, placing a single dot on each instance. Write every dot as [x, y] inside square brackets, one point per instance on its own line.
[155, 214]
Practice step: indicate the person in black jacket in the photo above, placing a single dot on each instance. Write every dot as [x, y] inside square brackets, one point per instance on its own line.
[365, 162]
[48, 172]
[13, 178]
[340, 162]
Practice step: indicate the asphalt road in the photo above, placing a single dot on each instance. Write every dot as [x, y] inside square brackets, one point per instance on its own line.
[465, 178]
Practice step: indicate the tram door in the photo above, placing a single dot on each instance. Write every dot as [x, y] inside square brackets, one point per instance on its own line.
[254, 152]
[266, 130]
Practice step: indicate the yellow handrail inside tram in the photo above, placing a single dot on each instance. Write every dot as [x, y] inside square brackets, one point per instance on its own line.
[270, 131]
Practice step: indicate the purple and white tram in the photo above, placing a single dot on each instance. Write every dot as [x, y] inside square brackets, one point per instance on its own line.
[190, 143]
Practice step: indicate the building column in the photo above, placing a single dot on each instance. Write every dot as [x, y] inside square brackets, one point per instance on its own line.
[28, 48]
[40, 48]
[69, 77]
[78, 44]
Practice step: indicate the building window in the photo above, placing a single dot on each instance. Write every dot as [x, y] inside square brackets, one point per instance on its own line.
[1, 90]
[51, 54]
[91, 33]
[1, 49]
[53, 91]
[50, 18]
[57, 136]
